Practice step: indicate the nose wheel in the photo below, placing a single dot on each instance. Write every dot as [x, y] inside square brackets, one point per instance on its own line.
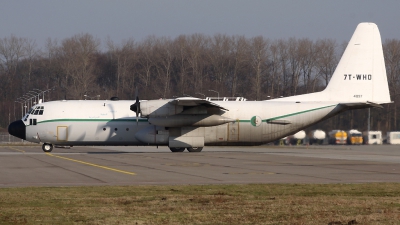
[47, 147]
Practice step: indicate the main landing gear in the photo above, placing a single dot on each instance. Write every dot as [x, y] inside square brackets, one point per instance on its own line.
[176, 149]
[195, 149]
[191, 149]
[47, 147]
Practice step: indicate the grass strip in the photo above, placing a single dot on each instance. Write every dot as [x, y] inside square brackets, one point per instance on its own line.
[374, 203]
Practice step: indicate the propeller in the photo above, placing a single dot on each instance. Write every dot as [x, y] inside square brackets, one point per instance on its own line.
[136, 107]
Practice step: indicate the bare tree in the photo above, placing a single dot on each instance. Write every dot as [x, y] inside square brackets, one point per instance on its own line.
[306, 54]
[11, 52]
[391, 50]
[124, 60]
[32, 54]
[274, 80]
[164, 58]
[182, 49]
[284, 63]
[239, 56]
[78, 61]
[259, 57]
[146, 64]
[326, 60]
[294, 68]
[196, 60]
[220, 59]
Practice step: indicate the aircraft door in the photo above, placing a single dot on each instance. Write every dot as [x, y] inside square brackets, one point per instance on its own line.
[233, 131]
[215, 134]
[62, 133]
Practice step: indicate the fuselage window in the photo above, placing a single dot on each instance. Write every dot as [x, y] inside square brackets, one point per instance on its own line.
[116, 129]
[104, 129]
[127, 129]
[32, 121]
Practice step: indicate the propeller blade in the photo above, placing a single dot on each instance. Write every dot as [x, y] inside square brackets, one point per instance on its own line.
[136, 107]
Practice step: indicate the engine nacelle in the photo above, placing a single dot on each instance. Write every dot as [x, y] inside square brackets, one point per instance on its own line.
[183, 120]
[157, 108]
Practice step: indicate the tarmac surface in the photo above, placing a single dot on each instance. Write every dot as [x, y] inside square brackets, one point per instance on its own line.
[22, 166]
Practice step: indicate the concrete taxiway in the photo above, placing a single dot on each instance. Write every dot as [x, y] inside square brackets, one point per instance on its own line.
[30, 166]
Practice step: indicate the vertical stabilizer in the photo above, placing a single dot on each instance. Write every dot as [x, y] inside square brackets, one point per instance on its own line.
[361, 74]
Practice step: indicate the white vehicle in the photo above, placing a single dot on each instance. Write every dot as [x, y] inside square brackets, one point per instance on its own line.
[393, 137]
[372, 137]
[317, 137]
[297, 138]
[359, 81]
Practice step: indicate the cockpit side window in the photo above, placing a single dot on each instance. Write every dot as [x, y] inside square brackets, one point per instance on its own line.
[37, 111]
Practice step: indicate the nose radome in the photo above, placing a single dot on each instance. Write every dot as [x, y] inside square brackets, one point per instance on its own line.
[17, 129]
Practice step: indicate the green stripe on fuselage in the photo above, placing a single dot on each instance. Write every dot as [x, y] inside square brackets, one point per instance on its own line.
[297, 113]
[288, 115]
[92, 120]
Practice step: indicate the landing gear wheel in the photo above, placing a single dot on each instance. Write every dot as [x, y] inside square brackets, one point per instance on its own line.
[195, 149]
[177, 149]
[47, 147]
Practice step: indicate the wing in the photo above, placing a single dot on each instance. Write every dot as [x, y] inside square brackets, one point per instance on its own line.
[190, 101]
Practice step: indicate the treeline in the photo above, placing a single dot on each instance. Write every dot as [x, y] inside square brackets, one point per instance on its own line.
[159, 67]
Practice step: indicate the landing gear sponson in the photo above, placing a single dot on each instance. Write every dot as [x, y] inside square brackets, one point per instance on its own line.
[181, 149]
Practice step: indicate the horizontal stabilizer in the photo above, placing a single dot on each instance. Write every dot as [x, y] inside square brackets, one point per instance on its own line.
[361, 105]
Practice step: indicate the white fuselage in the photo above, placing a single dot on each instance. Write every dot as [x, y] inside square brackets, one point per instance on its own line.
[97, 122]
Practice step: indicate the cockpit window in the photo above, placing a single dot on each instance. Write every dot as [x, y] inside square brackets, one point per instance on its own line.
[38, 110]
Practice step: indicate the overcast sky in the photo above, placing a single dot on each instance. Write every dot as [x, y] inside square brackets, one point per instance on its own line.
[123, 19]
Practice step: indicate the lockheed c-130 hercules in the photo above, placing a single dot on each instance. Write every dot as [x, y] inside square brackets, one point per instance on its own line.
[359, 81]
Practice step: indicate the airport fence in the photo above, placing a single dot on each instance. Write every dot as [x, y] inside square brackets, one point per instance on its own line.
[7, 138]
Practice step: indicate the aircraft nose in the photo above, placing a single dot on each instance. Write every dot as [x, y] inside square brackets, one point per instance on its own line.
[17, 129]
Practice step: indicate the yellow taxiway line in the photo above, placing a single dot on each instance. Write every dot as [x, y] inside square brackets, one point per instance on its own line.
[15, 149]
[91, 164]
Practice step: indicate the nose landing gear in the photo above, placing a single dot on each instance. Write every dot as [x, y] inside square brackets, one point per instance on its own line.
[47, 147]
